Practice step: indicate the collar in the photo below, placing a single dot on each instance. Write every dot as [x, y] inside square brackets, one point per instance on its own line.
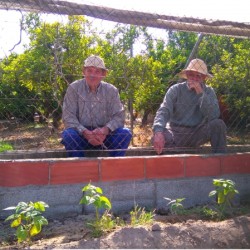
[88, 88]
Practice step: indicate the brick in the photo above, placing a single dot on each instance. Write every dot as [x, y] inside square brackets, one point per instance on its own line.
[202, 166]
[68, 172]
[122, 169]
[14, 174]
[164, 167]
[236, 164]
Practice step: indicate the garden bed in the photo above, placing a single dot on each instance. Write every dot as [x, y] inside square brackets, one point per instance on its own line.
[166, 231]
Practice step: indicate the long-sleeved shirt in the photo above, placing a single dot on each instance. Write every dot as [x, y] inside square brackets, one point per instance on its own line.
[83, 108]
[183, 107]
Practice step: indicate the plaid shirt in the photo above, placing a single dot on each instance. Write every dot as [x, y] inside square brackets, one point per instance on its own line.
[84, 109]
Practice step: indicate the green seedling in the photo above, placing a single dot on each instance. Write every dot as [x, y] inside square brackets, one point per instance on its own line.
[93, 196]
[225, 192]
[176, 206]
[28, 219]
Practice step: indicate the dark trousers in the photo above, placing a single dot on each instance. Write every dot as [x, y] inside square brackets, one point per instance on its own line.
[185, 137]
[75, 144]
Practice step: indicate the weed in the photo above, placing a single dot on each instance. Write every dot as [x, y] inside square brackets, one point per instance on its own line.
[105, 224]
[139, 216]
[28, 219]
[5, 147]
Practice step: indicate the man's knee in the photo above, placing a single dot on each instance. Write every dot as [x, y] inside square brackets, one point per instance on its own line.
[218, 124]
[125, 133]
[69, 134]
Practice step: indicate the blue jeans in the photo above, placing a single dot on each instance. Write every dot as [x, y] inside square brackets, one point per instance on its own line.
[75, 143]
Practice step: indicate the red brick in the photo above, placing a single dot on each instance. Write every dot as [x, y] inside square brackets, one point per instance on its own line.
[236, 164]
[122, 169]
[14, 174]
[68, 172]
[164, 167]
[202, 166]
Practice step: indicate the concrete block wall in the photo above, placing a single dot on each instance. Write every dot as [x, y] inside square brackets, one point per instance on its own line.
[127, 181]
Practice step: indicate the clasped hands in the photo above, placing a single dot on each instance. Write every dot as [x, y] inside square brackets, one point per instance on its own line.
[97, 136]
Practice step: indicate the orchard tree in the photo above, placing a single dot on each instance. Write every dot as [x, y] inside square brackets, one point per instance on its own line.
[53, 60]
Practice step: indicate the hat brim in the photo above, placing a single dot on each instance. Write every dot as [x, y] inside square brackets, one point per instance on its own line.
[95, 67]
[183, 74]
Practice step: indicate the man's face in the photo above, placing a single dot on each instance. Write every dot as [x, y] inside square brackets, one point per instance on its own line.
[194, 79]
[93, 75]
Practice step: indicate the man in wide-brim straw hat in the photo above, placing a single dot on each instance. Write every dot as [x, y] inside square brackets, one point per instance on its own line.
[189, 114]
[93, 114]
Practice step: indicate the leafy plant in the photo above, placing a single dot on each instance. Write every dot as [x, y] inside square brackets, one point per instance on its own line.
[224, 191]
[176, 206]
[28, 219]
[93, 196]
[140, 217]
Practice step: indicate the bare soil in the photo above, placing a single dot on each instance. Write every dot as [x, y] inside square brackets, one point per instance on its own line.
[165, 232]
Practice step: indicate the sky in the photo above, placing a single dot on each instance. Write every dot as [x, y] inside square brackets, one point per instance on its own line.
[229, 10]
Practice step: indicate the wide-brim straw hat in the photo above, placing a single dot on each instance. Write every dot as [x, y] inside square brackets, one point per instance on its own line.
[95, 61]
[196, 65]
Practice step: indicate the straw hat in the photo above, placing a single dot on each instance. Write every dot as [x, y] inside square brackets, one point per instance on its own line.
[94, 61]
[196, 65]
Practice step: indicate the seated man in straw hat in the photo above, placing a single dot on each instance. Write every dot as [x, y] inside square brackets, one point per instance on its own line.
[93, 114]
[191, 111]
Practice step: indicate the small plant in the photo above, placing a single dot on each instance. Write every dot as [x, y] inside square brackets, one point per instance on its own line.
[93, 196]
[140, 217]
[105, 224]
[176, 206]
[28, 219]
[224, 192]
[5, 147]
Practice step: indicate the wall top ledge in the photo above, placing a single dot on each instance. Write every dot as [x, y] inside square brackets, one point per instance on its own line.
[74, 159]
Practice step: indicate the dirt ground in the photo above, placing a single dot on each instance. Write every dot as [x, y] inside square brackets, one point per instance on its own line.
[165, 232]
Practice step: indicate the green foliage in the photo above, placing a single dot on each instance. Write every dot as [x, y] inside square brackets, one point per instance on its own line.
[139, 216]
[28, 219]
[5, 147]
[37, 79]
[93, 196]
[15, 99]
[224, 191]
[176, 206]
[231, 78]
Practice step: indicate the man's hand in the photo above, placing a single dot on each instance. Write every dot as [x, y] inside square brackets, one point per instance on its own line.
[91, 137]
[159, 142]
[101, 134]
[97, 136]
